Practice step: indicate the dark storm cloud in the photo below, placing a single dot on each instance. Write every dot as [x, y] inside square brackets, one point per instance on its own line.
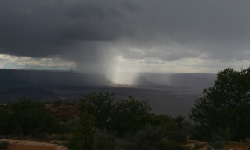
[31, 28]
[86, 31]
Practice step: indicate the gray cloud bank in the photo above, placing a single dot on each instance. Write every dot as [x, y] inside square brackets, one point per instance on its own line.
[91, 33]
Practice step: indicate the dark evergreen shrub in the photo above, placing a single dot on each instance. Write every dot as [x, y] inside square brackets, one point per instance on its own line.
[166, 144]
[178, 136]
[217, 145]
[198, 146]
[123, 144]
[4, 144]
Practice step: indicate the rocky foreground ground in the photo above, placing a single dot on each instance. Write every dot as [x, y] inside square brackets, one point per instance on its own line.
[35, 145]
[32, 145]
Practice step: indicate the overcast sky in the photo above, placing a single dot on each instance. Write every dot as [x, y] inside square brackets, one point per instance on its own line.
[125, 35]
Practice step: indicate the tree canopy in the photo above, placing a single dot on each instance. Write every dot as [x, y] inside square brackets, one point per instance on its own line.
[109, 123]
[130, 115]
[102, 123]
[99, 105]
[118, 116]
[26, 118]
[224, 110]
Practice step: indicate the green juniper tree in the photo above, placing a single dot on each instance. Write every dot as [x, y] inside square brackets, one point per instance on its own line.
[99, 105]
[224, 110]
[130, 116]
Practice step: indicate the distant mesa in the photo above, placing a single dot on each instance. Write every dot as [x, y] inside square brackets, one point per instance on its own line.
[70, 78]
[48, 77]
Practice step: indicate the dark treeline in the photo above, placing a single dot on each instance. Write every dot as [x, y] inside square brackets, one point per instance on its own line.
[100, 121]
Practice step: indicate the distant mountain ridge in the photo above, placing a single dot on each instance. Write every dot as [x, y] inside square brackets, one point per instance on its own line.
[172, 94]
[46, 77]
[192, 80]
[13, 77]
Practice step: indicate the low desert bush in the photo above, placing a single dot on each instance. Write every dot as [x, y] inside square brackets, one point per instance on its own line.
[61, 137]
[70, 124]
[198, 146]
[178, 136]
[166, 144]
[216, 145]
[147, 138]
[39, 136]
[4, 144]
[101, 140]
[196, 135]
[217, 142]
[122, 144]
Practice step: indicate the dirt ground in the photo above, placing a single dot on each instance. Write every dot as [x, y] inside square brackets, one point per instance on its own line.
[29, 147]
[237, 146]
[228, 146]
[32, 145]
[193, 142]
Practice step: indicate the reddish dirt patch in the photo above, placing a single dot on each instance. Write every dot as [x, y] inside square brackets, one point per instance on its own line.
[28, 147]
[237, 146]
[32, 145]
[193, 142]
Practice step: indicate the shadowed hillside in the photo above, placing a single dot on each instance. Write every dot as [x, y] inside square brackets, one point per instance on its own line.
[191, 80]
[167, 93]
[44, 77]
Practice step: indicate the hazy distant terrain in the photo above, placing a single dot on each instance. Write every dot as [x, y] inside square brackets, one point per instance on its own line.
[172, 94]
